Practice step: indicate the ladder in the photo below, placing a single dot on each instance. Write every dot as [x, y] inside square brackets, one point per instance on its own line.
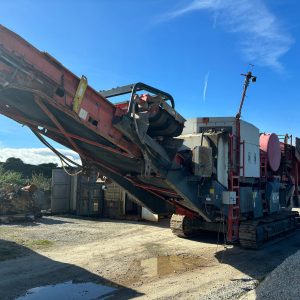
[263, 164]
[297, 192]
[233, 219]
[234, 211]
[263, 177]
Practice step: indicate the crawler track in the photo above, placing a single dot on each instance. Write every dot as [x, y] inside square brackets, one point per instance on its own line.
[182, 226]
[254, 234]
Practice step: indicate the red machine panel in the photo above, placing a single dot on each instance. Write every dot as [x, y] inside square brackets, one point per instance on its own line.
[269, 143]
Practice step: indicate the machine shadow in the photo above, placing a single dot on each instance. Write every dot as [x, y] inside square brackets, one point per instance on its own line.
[258, 263]
[38, 222]
[162, 223]
[22, 269]
[209, 237]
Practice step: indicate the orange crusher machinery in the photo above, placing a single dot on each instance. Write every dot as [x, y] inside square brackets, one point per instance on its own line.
[212, 173]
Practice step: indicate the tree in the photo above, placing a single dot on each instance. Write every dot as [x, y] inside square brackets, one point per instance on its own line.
[27, 170]
[17, 165]
[14, 164]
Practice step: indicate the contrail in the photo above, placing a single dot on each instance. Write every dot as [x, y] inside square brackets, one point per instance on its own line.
[205, 86]
[261, 36]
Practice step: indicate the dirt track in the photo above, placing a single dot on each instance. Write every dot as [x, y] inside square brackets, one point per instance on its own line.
[143, 260]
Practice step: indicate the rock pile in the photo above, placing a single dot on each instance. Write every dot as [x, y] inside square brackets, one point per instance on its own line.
[18, 203]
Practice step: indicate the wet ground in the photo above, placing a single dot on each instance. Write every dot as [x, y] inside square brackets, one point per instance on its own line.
[126, 260]
[169, 264]
[68, 290]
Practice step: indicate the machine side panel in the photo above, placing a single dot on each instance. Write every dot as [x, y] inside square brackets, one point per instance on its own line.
[249, 154]
[222, 162]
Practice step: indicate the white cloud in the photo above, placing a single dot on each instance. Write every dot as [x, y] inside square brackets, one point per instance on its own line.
[37, 156]
[195, 5]
[262, 39]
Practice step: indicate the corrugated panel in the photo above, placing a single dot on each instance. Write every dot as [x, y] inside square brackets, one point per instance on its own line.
[60, 191]
[113, 192]
[113, 201]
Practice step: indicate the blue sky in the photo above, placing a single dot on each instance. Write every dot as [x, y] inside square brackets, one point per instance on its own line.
[194, 50]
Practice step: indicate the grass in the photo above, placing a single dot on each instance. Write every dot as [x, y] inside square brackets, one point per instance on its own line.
[4, 230]
[38, 244]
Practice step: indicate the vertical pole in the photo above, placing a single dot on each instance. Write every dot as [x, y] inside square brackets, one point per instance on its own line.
[248, 77]
[235, 172]
[297, 180]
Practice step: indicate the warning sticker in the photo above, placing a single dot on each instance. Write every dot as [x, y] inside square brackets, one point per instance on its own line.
[275, 197]
[82, 114]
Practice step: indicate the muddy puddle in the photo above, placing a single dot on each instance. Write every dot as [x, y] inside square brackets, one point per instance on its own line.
[165, 265]
[69, 290]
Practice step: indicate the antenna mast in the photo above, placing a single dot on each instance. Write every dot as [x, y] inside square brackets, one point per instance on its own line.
[248, 77]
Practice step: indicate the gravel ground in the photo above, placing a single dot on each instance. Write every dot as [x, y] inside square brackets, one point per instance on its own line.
[281, 283]
[143, 260]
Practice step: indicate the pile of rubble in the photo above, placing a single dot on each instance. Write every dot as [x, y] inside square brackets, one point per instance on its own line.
[18, 203]
[281, 283]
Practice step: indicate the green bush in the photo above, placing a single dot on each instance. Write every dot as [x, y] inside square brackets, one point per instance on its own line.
[11, 178]
[40, 181]
[8, 178]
